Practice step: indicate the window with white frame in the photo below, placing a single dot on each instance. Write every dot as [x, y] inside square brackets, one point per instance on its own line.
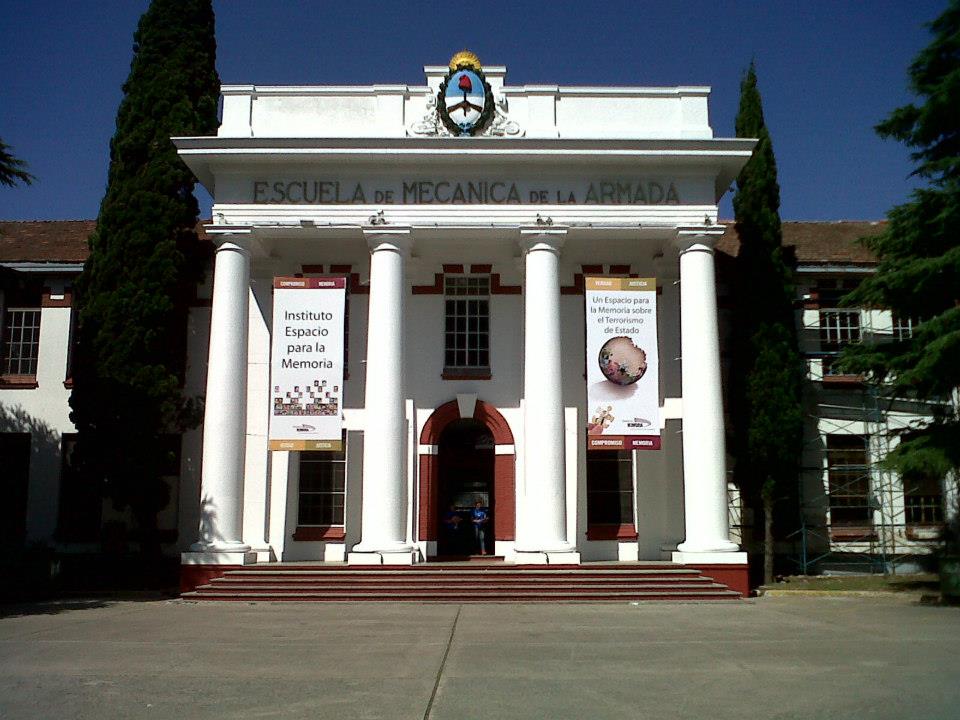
[848, 474]
[903, 327]
[923, 500]
[21, 341]
[839, 328]
[322, 487]
[467, 324]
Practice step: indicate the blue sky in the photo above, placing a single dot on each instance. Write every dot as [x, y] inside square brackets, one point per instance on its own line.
[828, 71]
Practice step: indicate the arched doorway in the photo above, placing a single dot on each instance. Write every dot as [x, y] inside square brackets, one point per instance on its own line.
[465, 456]
[487, 417]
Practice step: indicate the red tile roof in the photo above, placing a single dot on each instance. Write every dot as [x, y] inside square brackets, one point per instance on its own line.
[66, 240]
[819, 242]
[45, 240]
[62, 241]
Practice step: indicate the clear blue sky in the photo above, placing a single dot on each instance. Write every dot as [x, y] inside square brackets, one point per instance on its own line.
[829, 70]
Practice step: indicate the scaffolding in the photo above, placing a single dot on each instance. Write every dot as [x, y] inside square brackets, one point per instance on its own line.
[854, 515]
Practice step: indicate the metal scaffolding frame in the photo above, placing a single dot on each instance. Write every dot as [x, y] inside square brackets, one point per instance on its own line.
[888, 541]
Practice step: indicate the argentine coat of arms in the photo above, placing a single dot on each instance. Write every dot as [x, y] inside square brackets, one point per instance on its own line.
[465, 101]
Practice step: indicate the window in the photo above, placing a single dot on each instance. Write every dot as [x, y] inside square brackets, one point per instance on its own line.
[848, 472]
[467, 324]
[72, 342]
[839, 328]
[322, 487]
[610, 487]
[903, 327]
[923, 500]
[21, 341]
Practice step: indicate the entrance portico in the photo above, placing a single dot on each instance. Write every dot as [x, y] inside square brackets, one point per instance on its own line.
[464, 258]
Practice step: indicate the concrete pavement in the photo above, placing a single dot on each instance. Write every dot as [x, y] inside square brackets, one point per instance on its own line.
[773, 658]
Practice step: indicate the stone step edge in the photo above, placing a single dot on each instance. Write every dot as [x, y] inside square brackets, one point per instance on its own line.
[379, 571]
[456, 596]
[532, 600]
[400, 580]
[226, 587]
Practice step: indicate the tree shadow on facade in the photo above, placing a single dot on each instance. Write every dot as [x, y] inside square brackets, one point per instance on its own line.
[37, 570]
[209, 534]
[30, 447]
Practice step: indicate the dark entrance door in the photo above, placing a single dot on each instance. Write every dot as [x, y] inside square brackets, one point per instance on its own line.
[466, 457]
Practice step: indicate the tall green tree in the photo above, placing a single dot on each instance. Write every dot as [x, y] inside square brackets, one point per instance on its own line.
[143, 265]
[918, 275]
[769, 374]
[12, 169]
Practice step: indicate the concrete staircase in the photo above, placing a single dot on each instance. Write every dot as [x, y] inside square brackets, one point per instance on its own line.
[464, 582]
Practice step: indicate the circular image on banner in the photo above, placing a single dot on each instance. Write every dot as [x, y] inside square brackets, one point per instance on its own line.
[621, 361]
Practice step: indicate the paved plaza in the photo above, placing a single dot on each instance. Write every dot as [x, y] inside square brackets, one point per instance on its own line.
[784, 657]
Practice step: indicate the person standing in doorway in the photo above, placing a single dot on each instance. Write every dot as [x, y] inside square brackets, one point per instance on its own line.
[480, 517]
[451, 531]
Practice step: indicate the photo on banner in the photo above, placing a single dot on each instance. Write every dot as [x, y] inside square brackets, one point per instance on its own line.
[306, 365]
[623, 364]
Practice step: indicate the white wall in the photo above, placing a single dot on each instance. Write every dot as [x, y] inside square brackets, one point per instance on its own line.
[44, 413]
[541, 111]
[271, 487]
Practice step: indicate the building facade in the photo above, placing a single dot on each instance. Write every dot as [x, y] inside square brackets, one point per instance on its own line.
[853, 514]
[465, 246]
[464, 251]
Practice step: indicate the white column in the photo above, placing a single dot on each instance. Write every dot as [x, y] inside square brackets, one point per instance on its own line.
[385, 503]
[542, 517]
[225, 409]
[704, 454]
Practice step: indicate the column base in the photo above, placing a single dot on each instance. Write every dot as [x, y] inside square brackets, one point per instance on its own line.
[729, 568]
[219, 557]
[407, 557]
[199, 568]
[719, 546]
[226, 546]
[524, 557]
[710, 558]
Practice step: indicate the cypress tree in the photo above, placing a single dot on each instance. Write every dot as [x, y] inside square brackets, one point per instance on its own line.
[918, 274]
[143, 266]
[769, 374]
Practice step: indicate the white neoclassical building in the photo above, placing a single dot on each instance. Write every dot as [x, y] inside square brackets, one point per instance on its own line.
[465, 228]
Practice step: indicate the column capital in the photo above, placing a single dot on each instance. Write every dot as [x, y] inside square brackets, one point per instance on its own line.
[388, 237]
[542, 237]
[234, 244]
[699, 237]
[237, 238]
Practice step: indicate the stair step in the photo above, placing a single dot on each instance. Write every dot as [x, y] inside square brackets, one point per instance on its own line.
[513, 570]
[478, 589]
[360, 580]
[455, 597]
[464, 583]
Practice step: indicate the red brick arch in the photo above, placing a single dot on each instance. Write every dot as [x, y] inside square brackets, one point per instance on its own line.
[504, 482]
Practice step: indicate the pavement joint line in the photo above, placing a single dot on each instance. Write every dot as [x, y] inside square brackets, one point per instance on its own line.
[443, 662]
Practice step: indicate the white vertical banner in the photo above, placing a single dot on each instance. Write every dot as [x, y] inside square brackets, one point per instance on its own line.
[623, 364]
[306, 365]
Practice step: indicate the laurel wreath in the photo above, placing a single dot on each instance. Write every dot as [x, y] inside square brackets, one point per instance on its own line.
[485, 116]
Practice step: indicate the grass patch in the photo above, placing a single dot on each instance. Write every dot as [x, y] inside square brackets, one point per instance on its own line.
[875, 583]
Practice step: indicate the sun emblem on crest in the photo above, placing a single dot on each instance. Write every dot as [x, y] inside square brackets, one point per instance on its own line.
[465, 101]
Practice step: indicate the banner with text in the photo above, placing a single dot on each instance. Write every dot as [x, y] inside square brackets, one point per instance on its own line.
[306, 373]
[623, 370]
